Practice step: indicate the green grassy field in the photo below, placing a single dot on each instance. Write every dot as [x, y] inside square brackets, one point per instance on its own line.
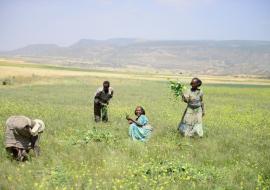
[80, 154]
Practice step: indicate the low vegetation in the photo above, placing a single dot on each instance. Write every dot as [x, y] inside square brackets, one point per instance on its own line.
[77, 153]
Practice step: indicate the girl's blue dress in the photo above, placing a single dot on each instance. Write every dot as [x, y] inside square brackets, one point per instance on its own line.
[140, 133]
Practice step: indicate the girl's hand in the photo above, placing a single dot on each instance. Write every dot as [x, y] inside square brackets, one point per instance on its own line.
[130, 121]
[203, 113]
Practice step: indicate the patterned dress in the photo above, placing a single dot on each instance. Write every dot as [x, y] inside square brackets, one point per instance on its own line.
[191, 123]
[16, 134]
[140, 133]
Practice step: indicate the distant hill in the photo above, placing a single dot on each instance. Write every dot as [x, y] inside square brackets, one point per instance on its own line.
[202, 57]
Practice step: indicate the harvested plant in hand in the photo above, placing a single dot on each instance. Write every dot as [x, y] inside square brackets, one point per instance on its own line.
[177, 88]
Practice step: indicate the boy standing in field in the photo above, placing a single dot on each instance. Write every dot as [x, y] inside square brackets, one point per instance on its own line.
[101, 102]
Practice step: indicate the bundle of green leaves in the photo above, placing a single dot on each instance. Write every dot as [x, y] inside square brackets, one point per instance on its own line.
[177, 88]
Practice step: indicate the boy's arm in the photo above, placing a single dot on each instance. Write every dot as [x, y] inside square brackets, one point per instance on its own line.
[111, 92]
[97, 96]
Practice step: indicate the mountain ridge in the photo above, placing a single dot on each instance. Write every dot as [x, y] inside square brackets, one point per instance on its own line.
[193, 56]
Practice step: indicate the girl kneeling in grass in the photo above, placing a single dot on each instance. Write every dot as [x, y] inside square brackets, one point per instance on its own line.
[191, 123]
[139, 128]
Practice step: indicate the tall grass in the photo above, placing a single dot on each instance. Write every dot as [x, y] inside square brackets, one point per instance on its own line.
[80, 154]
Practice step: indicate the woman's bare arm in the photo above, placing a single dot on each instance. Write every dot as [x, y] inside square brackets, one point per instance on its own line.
[133, 121]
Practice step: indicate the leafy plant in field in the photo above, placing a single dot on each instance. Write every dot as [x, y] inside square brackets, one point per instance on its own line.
[163, 173]
[262, 182]
[173, 168]
[96, 136]
[177, 88]
[59, 176]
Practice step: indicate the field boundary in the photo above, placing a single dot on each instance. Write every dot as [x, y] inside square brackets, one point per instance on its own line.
[15, 68]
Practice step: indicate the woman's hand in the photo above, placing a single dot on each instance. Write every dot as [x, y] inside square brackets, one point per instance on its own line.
[127, 117]
[185, 99]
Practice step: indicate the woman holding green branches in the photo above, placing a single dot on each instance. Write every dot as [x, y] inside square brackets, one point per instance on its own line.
[191, 123]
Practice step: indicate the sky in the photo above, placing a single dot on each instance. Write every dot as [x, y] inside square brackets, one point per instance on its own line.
[64, 22]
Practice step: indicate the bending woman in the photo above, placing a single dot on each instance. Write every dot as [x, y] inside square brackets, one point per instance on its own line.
[23, 134]
[139, 128]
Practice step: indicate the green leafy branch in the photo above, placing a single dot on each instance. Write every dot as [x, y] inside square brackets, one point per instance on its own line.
[177, 88]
